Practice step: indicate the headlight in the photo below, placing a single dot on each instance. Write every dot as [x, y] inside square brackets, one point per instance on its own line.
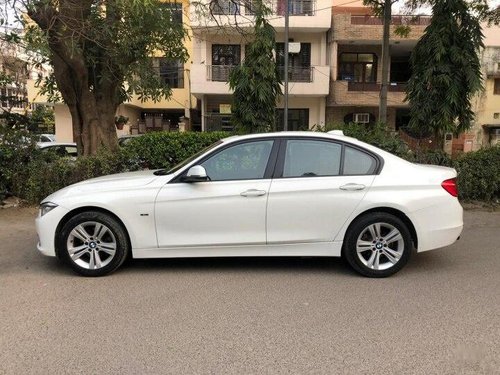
[46, 207]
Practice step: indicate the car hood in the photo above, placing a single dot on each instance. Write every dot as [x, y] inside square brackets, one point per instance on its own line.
[120, 181]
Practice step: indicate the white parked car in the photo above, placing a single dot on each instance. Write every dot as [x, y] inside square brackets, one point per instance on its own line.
[280, 194]
[62, 149]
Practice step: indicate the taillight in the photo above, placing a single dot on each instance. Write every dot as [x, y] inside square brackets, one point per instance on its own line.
[450, 186]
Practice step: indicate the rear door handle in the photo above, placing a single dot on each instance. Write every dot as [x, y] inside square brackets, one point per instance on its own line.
[253, 193]
[352, 187]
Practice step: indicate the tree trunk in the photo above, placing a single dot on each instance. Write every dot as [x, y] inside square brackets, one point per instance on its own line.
[382, 111]
[92, 103]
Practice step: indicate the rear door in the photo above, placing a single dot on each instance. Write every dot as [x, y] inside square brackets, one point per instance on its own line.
[318, 183]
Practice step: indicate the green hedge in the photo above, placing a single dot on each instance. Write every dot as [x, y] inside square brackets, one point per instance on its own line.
[479, 174]
[164, 150]
[31, 175]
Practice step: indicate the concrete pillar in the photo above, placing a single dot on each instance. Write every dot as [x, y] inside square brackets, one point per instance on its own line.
[334, 61]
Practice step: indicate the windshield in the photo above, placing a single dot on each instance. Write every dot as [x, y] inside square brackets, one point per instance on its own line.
[182, 164]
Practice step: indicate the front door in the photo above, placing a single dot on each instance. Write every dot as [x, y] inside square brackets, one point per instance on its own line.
[230, 209]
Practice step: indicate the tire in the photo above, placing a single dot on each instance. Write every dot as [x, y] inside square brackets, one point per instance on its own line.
[93, 243]
[377, 245]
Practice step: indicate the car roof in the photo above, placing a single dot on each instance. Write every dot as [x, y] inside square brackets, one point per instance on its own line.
[330, 135]
[52, 144]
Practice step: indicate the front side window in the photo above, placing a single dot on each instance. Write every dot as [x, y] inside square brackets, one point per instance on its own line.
[311, 158]
[245, 161]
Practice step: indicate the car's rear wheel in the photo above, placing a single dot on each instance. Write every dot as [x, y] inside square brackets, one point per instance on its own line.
[93, 243]
[378, 245]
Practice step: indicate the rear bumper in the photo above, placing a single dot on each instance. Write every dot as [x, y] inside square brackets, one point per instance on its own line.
[438, 226]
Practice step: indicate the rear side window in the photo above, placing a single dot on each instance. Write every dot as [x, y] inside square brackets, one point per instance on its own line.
[311, 158]
[357, 162]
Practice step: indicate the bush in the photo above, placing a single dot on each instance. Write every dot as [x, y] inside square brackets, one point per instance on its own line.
[436, 157]
[164, 150]
[376, 135]
[41, 175]
[17, 149]
[479, 174]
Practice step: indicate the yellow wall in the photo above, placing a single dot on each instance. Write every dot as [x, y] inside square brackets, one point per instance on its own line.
[180, 99]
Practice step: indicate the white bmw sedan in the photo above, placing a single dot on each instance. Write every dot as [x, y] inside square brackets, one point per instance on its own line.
[281, 194]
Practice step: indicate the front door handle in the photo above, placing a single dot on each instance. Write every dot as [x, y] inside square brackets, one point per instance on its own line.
[253, 193]
[352, 187]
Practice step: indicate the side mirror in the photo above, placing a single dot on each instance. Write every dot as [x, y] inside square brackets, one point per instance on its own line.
[196, 173]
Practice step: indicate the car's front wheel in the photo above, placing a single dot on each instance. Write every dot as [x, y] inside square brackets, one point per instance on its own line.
[93, 243]
[378, 245]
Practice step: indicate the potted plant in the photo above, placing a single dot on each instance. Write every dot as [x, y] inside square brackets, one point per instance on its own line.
[120, 121]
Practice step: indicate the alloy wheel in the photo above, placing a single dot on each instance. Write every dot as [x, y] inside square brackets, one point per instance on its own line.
[380, 246]
[91, 245]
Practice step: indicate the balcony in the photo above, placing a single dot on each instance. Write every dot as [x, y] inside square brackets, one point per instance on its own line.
[345, 93]
[375, 87]
[305, 81]
[395, 20]
[347, 27]
[311, 15]
[218, 122]
[298, 73]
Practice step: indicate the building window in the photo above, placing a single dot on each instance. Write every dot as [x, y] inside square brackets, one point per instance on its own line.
[171, 72]
[358, 67]
[298, 119]
[296, 7]
[175, 11]
[224, 7]
[224, 57]
[496, 115]
[496, 87]
[299, 64]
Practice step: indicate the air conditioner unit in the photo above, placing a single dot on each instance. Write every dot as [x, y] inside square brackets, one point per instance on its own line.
[293, 47]
[361, 118]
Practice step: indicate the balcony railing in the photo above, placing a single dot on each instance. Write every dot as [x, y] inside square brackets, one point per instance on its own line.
[295, 7]
[219, 73]
[395, 20]
[298, 73]
[374, 86]
[278, 7]
[218, 122]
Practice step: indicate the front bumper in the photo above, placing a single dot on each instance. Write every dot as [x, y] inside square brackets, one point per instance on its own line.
[46, 227]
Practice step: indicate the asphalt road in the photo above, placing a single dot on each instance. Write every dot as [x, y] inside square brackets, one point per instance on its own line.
[440, 315]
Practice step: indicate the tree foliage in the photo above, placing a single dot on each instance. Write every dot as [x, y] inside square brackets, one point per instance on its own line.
[257, 81]
[100, 52]
[446, 69]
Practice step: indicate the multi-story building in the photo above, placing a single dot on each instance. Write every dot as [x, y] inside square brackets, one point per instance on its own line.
[13, 91]
[486, 129]
[148, 115]
[355, 50]
[222, 28]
